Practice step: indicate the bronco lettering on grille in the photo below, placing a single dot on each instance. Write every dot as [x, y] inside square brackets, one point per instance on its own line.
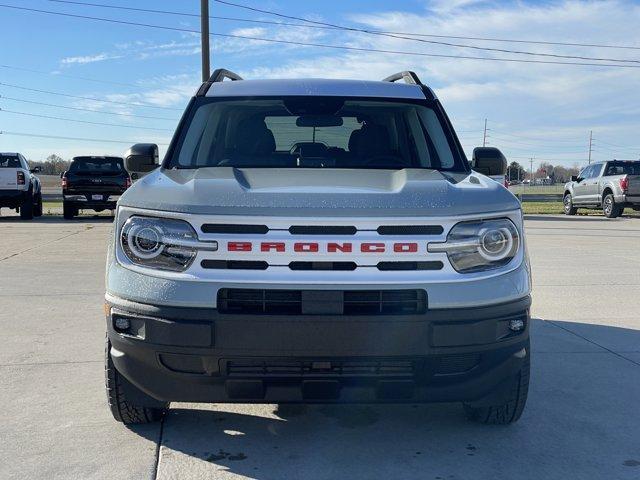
[314, 247]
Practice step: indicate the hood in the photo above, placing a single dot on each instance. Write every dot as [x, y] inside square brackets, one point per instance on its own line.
[318, 192]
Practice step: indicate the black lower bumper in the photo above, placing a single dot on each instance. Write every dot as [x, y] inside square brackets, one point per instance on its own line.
[200, 355]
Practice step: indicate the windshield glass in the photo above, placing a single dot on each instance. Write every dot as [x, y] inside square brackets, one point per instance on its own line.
[315, 132]
[97, 165]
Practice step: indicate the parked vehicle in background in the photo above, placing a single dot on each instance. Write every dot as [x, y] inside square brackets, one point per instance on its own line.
[93, 183]
[612, 186]
[317, 241]
[20, 189]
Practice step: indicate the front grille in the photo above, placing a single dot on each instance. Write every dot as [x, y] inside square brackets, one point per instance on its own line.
[335, 302]
[309, 368]
[455, 364]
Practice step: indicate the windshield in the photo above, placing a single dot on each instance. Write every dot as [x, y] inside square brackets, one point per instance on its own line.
[315, 132]
[97, 165]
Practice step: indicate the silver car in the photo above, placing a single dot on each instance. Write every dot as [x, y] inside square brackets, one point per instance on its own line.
[611, 186]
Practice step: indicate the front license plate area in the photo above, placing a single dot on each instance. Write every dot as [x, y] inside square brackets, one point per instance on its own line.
[96, 197]
[322, 302]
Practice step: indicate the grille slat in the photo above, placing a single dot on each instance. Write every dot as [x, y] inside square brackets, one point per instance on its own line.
[303, 368]
[397, 266]
[410, 230]
[232, 228]
[322, 230]
[291, 302]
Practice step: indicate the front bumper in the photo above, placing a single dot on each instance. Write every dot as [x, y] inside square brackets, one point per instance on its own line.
[201, 355]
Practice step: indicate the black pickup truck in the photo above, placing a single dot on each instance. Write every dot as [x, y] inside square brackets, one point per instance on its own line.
[93, 183]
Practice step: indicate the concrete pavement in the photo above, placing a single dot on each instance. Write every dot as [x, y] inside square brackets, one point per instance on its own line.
[581, 420]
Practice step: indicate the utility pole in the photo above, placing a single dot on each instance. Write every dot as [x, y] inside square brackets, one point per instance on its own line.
[204, 28]
[484, 137]
[532, 178]
[590, 144]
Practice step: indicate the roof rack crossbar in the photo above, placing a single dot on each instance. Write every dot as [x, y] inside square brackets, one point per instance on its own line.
[220, 74]
[217, 76]
[408, 77]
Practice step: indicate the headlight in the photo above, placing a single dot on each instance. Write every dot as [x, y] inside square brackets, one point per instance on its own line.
[161, 243]
[480, 245]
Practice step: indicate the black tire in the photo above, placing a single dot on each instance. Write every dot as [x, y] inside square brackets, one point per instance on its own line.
[68, 212]
[567, 202]
[510, 409]
[122, 409]
[610, 208]
[26, 209]
[37, 209]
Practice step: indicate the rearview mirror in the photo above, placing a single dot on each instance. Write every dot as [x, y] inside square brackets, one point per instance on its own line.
[489, 161]
[141, 158]
[575, 178]
[319, 121]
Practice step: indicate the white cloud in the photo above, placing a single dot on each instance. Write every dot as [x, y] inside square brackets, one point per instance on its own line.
[100, 57]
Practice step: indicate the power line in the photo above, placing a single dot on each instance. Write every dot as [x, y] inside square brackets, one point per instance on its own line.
[435, 42]
[384, 34]
[135, 104]
[327, 27]
[536, 139]
[83, 121]
[85, 109]
[323, 45]
[28, 134]
[76, 77]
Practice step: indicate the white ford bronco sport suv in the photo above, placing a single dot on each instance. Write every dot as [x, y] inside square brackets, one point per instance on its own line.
[317, 241]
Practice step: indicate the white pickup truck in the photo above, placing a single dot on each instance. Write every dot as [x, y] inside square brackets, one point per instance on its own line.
[19, 187]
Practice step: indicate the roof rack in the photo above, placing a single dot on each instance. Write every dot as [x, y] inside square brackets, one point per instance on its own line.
[408, 77]
[217, 76]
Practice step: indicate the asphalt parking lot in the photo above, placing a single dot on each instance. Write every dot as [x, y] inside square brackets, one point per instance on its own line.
[581, 420]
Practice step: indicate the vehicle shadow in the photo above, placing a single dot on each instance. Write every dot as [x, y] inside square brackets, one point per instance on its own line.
[53, 219]
[578, 388]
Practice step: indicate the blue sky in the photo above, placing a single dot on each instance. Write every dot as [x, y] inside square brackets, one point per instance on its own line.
[537, 110]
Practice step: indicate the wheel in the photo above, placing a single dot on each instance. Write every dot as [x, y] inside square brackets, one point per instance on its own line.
[569, 209]
[512, 405]
[119, 390]
[68, 212]
[26, 209]
[610, 208]
[37, 209]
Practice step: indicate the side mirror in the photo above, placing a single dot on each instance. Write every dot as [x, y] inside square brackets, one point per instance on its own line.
[141, 158]
[575, 178]
[489, 161]
[35, 169]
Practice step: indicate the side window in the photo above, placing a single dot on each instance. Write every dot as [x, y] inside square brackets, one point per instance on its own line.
[595, 170]
[585, 172]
